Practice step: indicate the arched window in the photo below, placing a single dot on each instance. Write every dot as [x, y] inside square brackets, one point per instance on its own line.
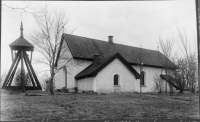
[142, 78]
[116, 79]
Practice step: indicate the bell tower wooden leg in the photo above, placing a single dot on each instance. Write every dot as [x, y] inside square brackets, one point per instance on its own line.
[13, 73]
[33, 72]
[31, 56]
[29, 72]
[8, 75]
[22, 72]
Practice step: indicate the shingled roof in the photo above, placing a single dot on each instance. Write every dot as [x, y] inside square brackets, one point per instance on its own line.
[93, 69]
[171, 80]
[84, 48]
[21, 42]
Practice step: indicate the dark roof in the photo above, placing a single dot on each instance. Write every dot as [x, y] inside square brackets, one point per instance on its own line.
[170, 80]
[84, 48]
[93, 69]
[21, 42]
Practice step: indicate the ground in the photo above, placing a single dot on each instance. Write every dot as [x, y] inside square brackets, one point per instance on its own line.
[18, 106]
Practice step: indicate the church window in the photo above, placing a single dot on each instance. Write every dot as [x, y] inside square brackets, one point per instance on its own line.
[116, 79]
[142, 78]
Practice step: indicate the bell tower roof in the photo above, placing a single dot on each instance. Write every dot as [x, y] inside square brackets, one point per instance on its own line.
[21, 42]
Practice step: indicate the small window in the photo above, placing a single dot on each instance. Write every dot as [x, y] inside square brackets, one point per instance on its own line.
[116, 79]
[142, 82]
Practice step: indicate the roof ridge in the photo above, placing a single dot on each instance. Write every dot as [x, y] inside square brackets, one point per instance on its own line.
[113, 43]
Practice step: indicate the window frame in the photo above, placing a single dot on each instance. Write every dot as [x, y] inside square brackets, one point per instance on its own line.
[143, 76]
[117, 80]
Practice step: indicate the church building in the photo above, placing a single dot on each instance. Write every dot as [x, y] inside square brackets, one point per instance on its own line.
[87, 64]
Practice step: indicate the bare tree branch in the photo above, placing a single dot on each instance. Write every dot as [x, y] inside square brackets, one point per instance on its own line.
[47, 40]
[23, 9]
[166, 48]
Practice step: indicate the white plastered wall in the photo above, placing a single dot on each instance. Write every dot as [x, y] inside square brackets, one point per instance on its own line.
[73, 67]
[104, 80]
[85, 84]
[150, 73]
[59, 79]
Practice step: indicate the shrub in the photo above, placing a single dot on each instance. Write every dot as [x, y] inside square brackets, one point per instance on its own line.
[17, 79]
[158, 84]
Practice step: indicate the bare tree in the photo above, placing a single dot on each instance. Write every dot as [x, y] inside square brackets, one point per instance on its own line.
[47, 40]
[192, 71]
[158, 84]
[166, 48]
[190, 57]
[21, 8]
[45, 78]
[181, 74]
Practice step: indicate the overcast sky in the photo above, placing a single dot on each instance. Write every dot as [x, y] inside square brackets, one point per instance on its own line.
[133, 23]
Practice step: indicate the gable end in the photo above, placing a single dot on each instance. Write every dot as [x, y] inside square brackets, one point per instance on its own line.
[86, 73]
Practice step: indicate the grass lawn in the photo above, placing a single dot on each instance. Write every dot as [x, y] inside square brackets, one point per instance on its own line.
[95, 107]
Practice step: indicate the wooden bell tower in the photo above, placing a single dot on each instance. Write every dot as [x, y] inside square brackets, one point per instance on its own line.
[21, 45]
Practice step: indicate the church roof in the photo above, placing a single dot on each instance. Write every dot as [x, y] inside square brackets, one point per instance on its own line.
[84, 48]
[21, 42]
[93, 69]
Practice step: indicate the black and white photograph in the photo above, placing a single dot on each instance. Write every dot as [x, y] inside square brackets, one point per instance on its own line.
[100, 60]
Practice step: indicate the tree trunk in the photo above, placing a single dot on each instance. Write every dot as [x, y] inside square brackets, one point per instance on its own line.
[51, 80]
[160, 91]
[51, 85]
[166, 81]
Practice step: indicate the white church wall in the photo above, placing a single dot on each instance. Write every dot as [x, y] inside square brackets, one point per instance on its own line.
[65, 55]
[78, 67]
[85, 84]
[150, 73]
[60, 75]
[59, 79]
[73, 67]
[104, 81]
[137, 85]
